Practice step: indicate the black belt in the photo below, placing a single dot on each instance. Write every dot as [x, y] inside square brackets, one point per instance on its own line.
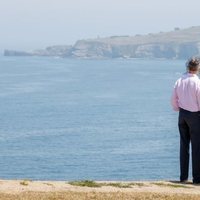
[187, 111]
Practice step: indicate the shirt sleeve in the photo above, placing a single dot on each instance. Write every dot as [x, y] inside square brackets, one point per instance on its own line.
[198, 95]
[174, 99]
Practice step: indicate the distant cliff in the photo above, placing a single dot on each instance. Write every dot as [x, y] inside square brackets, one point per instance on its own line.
[177, 44]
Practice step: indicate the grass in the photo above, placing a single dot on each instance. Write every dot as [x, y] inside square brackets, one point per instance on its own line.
[49, 184]
[25, 182]
[102, 194]
[89, 183]
[95, 196]
[118, 185]
[170, 185]
[85, 183]
[123, 185]
[137, 184]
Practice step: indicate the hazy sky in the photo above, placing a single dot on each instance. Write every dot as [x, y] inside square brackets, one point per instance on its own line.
[32, 24]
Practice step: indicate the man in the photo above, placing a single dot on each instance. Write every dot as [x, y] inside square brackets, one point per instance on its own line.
[186, 100]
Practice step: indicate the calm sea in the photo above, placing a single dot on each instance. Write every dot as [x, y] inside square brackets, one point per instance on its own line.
[63, 119]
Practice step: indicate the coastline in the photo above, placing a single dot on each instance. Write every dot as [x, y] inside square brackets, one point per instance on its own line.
[27, 189]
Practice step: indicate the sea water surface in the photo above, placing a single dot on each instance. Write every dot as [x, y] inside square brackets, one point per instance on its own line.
[65, 119]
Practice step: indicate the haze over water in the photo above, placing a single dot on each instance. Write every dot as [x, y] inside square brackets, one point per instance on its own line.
[65, 119]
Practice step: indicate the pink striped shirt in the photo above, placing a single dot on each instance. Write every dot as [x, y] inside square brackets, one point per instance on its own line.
[186, 93]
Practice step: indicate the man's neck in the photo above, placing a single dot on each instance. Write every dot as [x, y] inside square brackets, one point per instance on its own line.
[193, 72]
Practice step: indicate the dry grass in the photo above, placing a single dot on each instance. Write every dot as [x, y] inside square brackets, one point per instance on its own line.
[89, 183]
[85, 183]
[91, 190]
[171, 185]
[95, 196]
[24, 182]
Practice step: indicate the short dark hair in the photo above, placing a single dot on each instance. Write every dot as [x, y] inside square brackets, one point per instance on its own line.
[193, 64]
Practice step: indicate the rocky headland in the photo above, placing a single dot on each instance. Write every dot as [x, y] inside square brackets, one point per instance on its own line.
[176, 44]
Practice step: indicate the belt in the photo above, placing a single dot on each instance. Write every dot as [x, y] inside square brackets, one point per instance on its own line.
[183, 110]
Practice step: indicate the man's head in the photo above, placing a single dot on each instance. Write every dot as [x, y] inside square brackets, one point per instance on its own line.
[193, 65]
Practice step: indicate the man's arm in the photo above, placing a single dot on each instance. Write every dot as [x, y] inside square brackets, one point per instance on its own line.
[198, 95]
[174, 99]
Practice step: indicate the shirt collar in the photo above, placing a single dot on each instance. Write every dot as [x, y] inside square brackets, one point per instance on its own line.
[190, 74]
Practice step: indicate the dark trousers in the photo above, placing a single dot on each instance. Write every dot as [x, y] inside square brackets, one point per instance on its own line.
[189, 128]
